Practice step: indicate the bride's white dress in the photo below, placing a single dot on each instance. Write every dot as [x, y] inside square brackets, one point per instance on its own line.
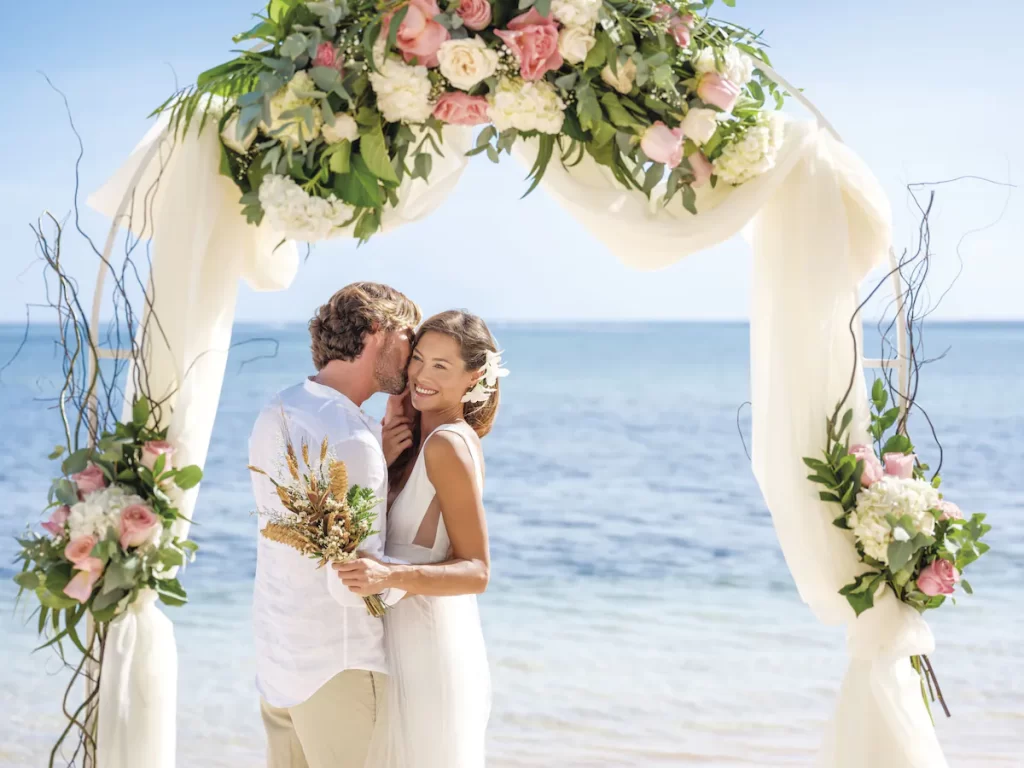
[439, 690]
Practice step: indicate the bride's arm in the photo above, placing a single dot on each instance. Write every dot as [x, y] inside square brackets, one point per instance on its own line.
[452, 473]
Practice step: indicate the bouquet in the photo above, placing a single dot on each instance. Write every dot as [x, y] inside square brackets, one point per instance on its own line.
[913, 541]
[346, 99]
[110, 534]
[327, 519]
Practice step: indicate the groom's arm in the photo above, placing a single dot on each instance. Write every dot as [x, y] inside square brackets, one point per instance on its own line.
[364, 461]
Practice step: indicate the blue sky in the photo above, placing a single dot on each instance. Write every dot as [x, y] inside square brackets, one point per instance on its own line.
[922, 94]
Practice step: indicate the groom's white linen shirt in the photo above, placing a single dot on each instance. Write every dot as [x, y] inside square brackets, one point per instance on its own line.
[304, 634]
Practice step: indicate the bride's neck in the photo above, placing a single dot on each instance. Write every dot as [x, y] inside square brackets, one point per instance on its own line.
[434, 419]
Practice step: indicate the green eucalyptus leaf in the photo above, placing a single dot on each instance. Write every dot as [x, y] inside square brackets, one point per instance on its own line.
[188, 477]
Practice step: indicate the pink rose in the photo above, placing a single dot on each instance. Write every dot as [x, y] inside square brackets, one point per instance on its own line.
[153, 450]
[702, 169]
[939, 578]
[327, 56]
[419, 36]
[872, 466]
[89, 479]
[663, 144]
[79, 550]
[718, 91]
[137, 524]
[461, 109]
[55, 524]
[80, 586]
[534, 40]
[476, 14]
[949, 510]
[899, 464]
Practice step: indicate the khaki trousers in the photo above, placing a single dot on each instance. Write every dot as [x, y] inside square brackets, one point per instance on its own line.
[331, 729]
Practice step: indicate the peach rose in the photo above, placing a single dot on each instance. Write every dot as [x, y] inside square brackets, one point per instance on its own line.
[534, 40]
[81, 585]
[137, 525]
[900, 464]
[949, 510]
[153, 450]
[55, 524]
[939, 578]
[718, 91]
[89, 479]
[872, 466]
[461, 109]
[702, 169]
[663, 144]
[476, 14]
[79, 550]
[419, 36]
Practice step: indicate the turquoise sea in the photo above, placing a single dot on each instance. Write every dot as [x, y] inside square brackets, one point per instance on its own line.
[640, 612]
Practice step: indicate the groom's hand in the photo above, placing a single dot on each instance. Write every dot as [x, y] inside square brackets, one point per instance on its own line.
[365, 576]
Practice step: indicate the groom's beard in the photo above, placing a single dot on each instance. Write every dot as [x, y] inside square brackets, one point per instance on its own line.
[392, 379]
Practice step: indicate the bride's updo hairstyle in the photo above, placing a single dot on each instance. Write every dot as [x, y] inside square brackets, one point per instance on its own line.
[475, 341]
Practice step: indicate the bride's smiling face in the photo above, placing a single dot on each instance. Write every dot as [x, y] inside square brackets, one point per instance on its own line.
[438, 378]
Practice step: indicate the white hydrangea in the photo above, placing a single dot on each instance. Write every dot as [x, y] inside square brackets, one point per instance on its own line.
[576, 13]
[526, 106]
[734, 64]
[297, 215]
[293, 130]
[344, 128]
[100, 511]
[403, 92]
[891, 496]
[753, 152]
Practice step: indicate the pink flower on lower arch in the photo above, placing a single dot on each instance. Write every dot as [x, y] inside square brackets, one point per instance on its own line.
[950, 511]
[327, 56]
[136, 525]
[702, 169]
[81, 585]
[718, 91]
[79, 550]
[663, 144]
[873, 471]
[900, 464]
[938, 578]
[89, 480]
[55, 525]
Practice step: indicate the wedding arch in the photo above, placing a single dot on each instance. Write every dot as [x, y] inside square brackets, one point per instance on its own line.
[818, 223]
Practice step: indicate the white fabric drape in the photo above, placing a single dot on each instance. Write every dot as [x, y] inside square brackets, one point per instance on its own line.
[819, 222]
[201, 246]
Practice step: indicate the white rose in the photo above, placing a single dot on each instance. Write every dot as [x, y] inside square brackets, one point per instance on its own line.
[733, 64]
[574, 43]
[345, 128]
[700, 125]
[622, 81]
[526, 106]
[466, 63]
[576, 13]
[229, 135]
[293, 131]
[403, 92]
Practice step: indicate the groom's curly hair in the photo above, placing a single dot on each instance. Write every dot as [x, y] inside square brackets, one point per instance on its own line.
[339, 328]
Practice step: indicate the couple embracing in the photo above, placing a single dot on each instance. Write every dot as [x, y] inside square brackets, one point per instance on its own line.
[340, 688]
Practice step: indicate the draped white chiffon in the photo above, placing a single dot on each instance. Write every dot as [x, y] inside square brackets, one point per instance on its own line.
[439, 690]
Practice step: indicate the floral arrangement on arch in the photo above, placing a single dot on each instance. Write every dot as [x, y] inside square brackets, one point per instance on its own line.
[321, 126]
[110, 531]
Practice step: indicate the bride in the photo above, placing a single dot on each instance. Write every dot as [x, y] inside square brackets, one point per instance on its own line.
[439, 694]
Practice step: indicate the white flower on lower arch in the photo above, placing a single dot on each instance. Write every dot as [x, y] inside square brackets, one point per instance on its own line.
[526, 106]
[297, 215]
[576, 13]
[753, 152]
[403, 92]
[574, 43]
[900, 498]
[293, 130]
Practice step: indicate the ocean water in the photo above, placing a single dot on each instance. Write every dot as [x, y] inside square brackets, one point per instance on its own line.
[640, 612]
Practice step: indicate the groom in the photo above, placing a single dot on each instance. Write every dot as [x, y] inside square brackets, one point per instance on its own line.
[319, 655]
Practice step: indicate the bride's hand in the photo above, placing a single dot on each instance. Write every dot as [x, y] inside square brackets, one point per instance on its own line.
[365, 577]
[397, 436]
[399, 406]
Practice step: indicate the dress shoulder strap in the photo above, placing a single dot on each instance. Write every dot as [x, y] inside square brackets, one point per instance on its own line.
[460, 428]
